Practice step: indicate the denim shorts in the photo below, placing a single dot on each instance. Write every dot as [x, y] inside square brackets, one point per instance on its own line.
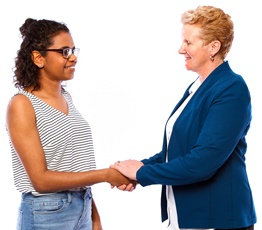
[67, 210]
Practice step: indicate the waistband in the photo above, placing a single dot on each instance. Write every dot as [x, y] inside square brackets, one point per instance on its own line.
[79, 192]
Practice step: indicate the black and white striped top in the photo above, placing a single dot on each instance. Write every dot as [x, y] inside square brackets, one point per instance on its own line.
[66, 139]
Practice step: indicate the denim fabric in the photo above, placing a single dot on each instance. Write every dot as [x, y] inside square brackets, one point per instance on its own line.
[69, 210]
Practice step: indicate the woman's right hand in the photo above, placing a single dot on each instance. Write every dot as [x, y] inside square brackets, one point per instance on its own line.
[116, 179]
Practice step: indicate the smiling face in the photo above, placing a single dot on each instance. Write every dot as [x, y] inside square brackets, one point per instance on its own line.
[55, 66]
[197, 55]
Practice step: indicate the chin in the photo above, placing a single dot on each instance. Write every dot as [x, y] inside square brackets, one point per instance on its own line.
[187, 67]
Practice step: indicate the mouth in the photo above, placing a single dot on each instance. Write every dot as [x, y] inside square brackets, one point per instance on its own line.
[187, 57]
[70, 67]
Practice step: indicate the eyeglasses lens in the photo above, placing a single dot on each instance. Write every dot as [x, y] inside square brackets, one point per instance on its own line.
[67, 52]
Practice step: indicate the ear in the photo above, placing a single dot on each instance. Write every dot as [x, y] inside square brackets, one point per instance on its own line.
[215, 47]
[37, 58]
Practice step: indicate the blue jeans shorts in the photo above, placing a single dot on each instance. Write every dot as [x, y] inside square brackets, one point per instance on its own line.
[67, 210]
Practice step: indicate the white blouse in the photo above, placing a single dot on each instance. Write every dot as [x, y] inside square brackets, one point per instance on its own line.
[172, 223]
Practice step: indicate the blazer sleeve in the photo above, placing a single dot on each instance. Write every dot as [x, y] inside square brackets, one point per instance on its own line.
[157, 158]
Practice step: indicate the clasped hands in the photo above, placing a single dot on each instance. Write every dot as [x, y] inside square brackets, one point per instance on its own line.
[129, 169]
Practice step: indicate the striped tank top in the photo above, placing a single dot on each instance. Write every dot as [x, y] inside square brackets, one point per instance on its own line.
[66, 140]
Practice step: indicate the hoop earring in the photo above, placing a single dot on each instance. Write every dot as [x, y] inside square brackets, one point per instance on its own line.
[211, 57]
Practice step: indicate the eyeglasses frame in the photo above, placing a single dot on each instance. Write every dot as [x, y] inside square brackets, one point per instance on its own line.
[62, 51]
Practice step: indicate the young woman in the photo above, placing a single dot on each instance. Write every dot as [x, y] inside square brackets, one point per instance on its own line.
[51, 143]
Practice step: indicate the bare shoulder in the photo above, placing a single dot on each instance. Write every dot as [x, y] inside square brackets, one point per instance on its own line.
[19, 103]
[19, 108]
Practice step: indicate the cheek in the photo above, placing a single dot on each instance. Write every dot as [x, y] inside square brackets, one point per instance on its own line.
[57, 60]
[193, 51]
[60, 62]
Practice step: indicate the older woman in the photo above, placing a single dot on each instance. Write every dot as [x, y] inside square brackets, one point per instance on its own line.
[201, 166]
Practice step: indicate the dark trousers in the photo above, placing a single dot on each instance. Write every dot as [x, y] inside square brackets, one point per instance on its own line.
[246, 228]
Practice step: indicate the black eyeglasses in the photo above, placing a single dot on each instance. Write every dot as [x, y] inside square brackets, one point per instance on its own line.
[66, 52]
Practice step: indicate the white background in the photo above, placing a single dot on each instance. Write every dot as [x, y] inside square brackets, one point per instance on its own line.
[128, 79]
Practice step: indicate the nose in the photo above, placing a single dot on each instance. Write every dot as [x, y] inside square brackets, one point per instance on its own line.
[72, 57]
[181, 49]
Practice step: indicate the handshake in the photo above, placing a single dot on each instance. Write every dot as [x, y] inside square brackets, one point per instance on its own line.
[123, 174]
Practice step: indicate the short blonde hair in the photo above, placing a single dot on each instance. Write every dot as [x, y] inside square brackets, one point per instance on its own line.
[214, 23]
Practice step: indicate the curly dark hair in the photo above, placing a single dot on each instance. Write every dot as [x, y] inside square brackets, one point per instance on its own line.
[36, 35]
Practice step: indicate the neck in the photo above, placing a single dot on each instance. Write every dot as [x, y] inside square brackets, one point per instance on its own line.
[47, 90]
[209, 69]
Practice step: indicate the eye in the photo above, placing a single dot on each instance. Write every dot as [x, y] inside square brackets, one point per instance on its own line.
[187, 42]
[66, 52]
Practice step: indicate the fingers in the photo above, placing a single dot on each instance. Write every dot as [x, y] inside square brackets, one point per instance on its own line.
[127, 167]
[115, 165]
[117, 162]
[130, 187]
[122, 187]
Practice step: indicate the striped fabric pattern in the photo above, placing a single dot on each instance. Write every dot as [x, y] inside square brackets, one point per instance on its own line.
[66, 140]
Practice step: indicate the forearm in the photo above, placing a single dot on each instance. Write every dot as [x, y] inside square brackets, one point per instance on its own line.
[53, 181]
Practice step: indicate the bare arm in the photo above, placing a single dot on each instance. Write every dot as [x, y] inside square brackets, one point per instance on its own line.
[97, 225]
[21, 124]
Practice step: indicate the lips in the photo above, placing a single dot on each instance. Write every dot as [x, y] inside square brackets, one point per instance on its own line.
[70, 67]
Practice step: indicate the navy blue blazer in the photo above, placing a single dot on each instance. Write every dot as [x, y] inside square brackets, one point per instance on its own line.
[206, 160]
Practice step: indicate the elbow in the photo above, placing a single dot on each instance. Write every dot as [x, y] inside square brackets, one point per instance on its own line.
[41, 187]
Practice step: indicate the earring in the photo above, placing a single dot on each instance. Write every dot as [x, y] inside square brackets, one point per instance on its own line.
[211, 57]
[40, 66]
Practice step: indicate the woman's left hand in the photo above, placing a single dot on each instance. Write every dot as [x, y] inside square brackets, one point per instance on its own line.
[128, 168]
